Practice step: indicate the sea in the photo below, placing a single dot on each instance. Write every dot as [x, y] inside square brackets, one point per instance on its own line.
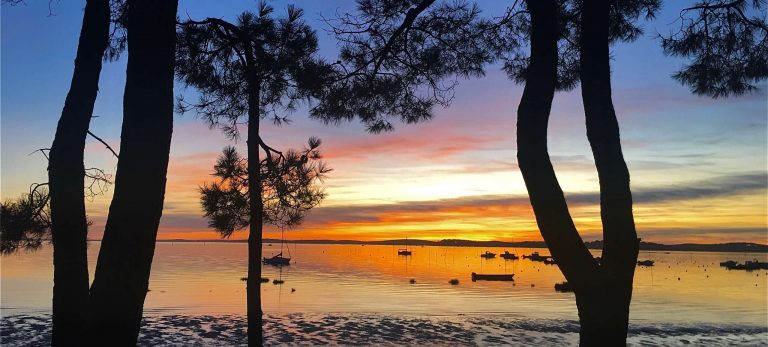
[369, 295]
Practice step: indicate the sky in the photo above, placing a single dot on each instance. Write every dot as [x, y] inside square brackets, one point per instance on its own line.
[698, 166]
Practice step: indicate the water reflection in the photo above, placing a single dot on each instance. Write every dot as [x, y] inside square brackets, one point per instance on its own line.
[205, 278]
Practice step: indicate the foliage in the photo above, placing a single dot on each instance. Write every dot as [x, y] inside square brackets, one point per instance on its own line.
[401, 58]
[288, 186]
[25, 222]
[398, 59]
[118, 35]
[727, 42]
[219, 59]
[258, 66]
[624, 15]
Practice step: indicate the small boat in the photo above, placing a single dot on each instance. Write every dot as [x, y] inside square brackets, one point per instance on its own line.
[563, 287]
[492, 277]
[277, 260]
[728, 263]
[549, 261]
[405, 251]
[536, 257]
[488, 255]
[755, 265]
[749, 265]
[509, 256]
[645, 263]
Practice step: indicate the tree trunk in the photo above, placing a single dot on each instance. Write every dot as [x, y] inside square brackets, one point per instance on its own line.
[253, 292]
[603, 292]
[65, 175]
[603, 313]
[620, 242]
[546, 196]
[122, 273]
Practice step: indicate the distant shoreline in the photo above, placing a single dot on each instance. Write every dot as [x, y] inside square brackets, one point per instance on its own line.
[736, 247]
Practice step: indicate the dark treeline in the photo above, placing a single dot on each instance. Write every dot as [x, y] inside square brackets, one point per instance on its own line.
[397, 61]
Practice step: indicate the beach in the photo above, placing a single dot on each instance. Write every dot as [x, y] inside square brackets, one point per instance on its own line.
[362, 295]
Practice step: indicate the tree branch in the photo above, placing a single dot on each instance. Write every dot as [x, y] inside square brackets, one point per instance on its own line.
[104, 143]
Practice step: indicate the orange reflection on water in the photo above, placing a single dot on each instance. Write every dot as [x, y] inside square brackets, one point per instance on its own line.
[205, 278]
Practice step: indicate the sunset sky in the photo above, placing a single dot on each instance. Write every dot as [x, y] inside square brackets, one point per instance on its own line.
[698, 166]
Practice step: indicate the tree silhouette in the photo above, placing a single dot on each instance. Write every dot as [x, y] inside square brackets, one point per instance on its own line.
[69, 226]
[727, 42]
[399, 59]
[25, 222]
[603, 290]
[253, 69]
[67, 221]
[122, 272]
[288, 186]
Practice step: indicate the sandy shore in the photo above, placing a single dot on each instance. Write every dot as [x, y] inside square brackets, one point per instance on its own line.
[368, 329]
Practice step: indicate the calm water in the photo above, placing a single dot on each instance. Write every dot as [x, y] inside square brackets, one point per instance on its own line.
[205, 279]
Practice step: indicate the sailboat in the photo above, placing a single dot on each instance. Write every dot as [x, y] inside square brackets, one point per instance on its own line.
[404, 251]
[279, 260]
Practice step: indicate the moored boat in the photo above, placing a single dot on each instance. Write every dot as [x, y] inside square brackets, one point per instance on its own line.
[645, 263]
[492, 277]
[728, 263]
[405, 251]
[277, 260]
[509, 256]
[536, 257]
[488, 255]
[748, 265]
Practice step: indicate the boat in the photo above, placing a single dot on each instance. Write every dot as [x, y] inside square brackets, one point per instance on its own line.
[405, 251]
[492, 277]
[509, 256]
[645, 263]
[488, 255]
[277, 260]
[563, 287]
[549, 261]
[536, 257]
[749, 265]
[728, 264]
[755, 265]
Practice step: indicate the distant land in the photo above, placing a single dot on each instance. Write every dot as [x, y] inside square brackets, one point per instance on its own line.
[741, 247]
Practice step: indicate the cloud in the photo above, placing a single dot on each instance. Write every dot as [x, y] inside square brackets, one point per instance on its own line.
[509, 206]
[706, 188]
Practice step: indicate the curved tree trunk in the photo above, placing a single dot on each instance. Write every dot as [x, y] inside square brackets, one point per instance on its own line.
[546, 196]
[604, 311]
[65, 175]
[122, 273]
[603, 292]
